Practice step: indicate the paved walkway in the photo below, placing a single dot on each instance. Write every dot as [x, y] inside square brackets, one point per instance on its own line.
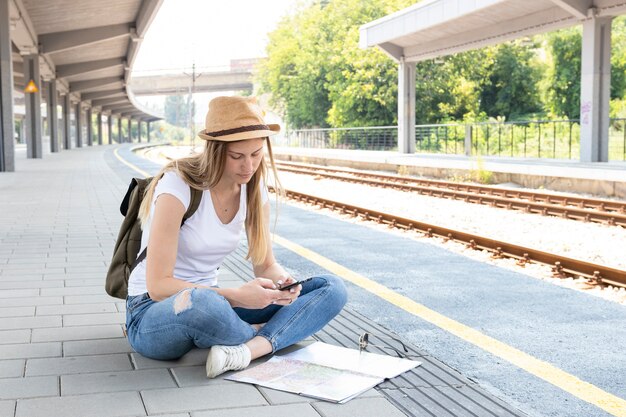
[62, 348]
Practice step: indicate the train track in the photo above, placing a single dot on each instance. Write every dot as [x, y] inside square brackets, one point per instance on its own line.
[576, 208]
[561, 266]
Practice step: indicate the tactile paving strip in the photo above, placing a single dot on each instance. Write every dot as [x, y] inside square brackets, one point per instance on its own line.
[432, 389]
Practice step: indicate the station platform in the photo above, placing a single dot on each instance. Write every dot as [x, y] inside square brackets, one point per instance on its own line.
[63, 352]
[598, 179]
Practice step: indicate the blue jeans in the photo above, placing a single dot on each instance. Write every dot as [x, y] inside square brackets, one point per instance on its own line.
[202, 318]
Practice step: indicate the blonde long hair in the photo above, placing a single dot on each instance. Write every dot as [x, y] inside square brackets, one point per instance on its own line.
[204, 170]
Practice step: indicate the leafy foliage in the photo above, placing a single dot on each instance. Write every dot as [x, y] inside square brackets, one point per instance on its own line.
[177, 110]
[319, 77]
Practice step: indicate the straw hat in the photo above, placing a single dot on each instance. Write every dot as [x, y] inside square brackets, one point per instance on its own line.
[235, 118]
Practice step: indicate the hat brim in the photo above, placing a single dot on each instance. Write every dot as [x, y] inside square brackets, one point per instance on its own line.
[252, 134]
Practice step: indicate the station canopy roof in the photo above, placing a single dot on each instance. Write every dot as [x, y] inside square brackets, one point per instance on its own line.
[435, 28]
[89, 46]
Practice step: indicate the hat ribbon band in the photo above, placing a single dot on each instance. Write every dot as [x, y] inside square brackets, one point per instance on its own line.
[237, 130]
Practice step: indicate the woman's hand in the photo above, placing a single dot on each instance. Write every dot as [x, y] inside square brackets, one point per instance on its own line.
[293, 292]
[259, 293]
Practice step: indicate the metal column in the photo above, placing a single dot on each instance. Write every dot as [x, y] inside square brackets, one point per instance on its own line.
[406, 106]
[79, 125]
[89, 127]
[33, 108]
[67, 123]
[99, 118]
[595, 90]
[119, 129]
[7, 126]
[110, 128]
[53, 119]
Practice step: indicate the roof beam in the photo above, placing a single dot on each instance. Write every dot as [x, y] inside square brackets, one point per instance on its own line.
[146, 14]
[107, 101]
[18, 68]
[89, 66]
[577, 8]
[133, 47]
[133, 113]
[119, 108]
[394, 51]
[23, 31]
[89, 84]
[62, 41]
[100, 94]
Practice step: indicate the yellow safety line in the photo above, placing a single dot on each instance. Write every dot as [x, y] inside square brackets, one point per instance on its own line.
[128, 164]
[561, 379]
[567, 382]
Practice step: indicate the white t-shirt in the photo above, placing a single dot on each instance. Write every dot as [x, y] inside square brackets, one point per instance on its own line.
[203, 241]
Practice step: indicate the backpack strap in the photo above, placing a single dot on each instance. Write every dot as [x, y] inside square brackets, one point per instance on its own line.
[196, 198]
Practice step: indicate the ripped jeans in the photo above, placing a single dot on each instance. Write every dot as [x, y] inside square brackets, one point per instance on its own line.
[170, 328]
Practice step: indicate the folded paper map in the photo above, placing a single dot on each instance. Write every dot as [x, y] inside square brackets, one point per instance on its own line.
[324, 371]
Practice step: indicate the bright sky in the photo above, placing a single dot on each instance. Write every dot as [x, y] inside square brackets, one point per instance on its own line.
[209, 32]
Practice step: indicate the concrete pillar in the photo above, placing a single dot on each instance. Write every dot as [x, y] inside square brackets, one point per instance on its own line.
[119, 129]
[139, 123]
[148, 131]
[33, 107]
[22, 131]
[67, 122]
[99, 118]
[89, 126]
[468, 140]
[7, 126]
[79, 125]
[53, 118]
[110, 128]
[406, 107]
[130, 132]
[595, 90]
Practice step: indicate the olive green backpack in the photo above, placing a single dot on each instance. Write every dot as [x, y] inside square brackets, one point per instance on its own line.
[128, 241]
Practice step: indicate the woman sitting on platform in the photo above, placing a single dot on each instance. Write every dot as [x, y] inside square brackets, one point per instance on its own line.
[174, 302]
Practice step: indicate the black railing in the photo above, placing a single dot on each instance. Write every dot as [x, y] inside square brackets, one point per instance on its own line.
[557, 139]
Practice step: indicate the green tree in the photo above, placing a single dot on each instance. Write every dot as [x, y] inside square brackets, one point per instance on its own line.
[362, 84]
[618, 68]
[177, 110]
[510, 88]
[294, 72]
[317, 74]
[563, 75]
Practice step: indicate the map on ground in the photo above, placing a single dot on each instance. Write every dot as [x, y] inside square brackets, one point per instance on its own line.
[324, 371]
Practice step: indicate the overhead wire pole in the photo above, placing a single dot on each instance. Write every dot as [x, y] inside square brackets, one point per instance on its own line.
[192, 105]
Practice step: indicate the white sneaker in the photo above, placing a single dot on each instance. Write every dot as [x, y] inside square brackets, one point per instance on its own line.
[226, 358]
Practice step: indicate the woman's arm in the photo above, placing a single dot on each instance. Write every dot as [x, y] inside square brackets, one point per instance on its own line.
[161, 259]
[162, 248]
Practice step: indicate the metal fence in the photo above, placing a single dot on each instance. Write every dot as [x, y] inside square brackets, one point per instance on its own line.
[558, 139]
[532, 139]
[382, 138]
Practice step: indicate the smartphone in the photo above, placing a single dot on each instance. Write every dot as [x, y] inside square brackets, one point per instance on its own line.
[295, 284]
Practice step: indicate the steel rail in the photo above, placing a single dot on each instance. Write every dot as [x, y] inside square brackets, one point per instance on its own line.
[580, 202]
[494, 199]
[562, 266]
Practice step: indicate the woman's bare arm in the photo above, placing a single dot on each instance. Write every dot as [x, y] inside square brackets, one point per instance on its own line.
[161, 259]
